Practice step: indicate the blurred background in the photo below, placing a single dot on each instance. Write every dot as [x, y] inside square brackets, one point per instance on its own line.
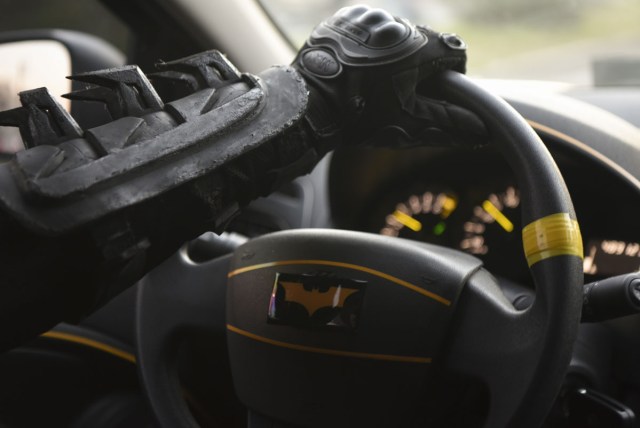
[560, 40]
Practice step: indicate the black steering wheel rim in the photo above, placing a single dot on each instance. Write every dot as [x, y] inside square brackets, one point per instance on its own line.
[553, 250]
[556, 266]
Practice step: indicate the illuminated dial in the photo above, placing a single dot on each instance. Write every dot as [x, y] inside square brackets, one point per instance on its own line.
[493, 233]
[422, 217]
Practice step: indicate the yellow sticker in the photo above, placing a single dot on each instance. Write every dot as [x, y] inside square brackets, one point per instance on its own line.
[551, 236]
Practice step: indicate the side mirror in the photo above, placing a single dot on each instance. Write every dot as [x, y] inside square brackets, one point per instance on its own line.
[35, 58]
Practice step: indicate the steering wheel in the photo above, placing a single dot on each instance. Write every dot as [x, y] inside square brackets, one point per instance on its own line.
[329, 328]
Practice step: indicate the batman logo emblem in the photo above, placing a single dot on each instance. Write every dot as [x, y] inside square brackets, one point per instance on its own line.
[315, 300]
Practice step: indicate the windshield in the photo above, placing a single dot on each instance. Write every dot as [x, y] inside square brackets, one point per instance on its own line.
[577, 41]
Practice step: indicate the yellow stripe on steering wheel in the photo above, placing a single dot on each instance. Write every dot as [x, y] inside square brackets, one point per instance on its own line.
[551, 236]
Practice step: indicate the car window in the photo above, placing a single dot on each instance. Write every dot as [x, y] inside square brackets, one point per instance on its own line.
[28, 64]
[88, 16]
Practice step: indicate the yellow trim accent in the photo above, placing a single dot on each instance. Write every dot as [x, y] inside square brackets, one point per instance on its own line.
[90, 343]
[551, 236]
[377, 273]
[119, 353]
[325, 351]
[407, 220]
[497, 215]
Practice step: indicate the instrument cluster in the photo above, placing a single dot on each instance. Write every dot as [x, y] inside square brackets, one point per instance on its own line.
[471, 201]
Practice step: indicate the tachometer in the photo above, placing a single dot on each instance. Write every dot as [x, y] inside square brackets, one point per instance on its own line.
[493, 233]
[422, 217]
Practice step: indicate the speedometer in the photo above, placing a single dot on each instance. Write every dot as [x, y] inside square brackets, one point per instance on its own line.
[493, 233]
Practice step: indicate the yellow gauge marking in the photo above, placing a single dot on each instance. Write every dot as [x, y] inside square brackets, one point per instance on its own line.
[407, 220]
[551, 236]
[448, 206]
[497, 215]
[328, 351]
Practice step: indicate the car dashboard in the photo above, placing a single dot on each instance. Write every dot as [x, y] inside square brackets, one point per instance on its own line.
[468, 199]
[464, 199]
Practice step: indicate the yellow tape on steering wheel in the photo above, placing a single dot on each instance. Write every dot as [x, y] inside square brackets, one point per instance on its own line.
[551, 236]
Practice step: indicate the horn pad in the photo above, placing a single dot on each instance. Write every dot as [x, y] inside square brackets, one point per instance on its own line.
[338, 328]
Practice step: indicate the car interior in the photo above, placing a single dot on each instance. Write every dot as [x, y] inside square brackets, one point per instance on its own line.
[90, 374]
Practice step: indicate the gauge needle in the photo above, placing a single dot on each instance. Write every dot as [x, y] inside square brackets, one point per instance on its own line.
[500, 218]
[407, 220]
[448, 206]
